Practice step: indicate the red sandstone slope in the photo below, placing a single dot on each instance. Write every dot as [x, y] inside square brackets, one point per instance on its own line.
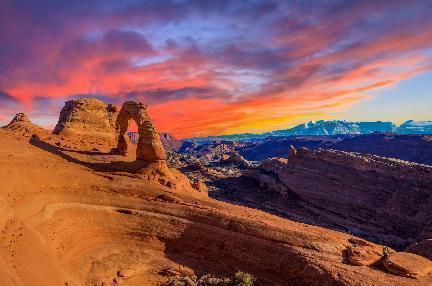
[78, 217]
[86, 224]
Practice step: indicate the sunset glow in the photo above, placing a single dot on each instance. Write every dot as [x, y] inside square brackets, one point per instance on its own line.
[213, 67]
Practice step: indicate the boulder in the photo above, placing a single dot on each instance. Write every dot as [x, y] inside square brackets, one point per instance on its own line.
[407, 264]
[422, 248]
[363, 253]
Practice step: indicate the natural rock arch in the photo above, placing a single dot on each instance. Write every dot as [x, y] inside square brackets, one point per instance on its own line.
[149, 148]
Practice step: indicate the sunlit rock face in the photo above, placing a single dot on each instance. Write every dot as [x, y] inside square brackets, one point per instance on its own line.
[149, 147]
[88, 118]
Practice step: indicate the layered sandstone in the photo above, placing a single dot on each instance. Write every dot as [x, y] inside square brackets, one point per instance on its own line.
[149, 147]
[407, 264]
[384, 200]
[364, 253]
[89, 120]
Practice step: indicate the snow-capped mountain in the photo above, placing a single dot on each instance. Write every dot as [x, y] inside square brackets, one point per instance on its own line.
[335, 127]
[330, 127]
[415, 127]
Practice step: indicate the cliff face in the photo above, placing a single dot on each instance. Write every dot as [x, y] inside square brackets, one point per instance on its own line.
[385, 200]
[89, 119]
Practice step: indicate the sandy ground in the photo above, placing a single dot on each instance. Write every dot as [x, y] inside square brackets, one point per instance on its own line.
[74, 218]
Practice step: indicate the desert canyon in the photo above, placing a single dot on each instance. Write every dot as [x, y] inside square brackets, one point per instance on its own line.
[84, 205]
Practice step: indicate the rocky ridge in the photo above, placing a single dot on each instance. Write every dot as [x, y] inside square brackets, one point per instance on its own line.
[362, 194]
[21, 125]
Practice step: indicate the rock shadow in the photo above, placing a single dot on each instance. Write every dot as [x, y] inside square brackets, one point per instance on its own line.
[113, 166]
[221, 251]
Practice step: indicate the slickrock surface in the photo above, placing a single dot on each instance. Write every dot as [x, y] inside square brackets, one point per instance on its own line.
[407, 264]
[21, 125]
[385, 200]
[81, 218]
[89, 121]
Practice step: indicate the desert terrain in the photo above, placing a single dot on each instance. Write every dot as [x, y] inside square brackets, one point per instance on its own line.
[74, 212]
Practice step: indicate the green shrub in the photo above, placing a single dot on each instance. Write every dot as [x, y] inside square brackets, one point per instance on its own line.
[239, 279]
[243, 279]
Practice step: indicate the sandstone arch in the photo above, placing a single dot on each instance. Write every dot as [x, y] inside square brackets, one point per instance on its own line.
[149, 147]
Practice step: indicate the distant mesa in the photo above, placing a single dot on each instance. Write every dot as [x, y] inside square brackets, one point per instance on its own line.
[21, 125]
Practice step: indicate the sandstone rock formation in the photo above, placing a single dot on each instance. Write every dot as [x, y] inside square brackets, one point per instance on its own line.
[407, 264]
[235, 158]
[363, 194]
[169, 142]
[89, 120]
[149, 147]
[363, 253]
[21, 125]
[82, 225]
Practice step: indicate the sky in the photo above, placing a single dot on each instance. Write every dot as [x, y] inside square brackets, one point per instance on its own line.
[219, 67]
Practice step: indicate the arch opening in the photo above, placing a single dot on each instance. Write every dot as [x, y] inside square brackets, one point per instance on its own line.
[149, 146]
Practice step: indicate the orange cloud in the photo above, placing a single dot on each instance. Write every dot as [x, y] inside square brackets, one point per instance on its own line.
[269, 68]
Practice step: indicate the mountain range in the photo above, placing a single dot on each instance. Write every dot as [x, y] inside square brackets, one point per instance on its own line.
[331, 127]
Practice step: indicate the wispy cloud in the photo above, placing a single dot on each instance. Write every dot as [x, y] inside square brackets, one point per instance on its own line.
[209, 67]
